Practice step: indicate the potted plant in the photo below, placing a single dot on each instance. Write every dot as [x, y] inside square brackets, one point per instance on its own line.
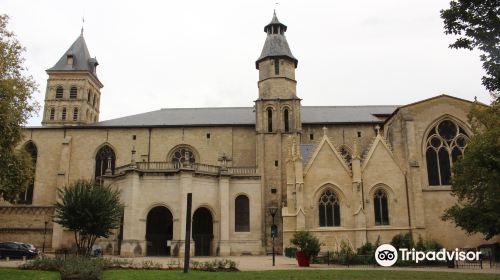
[308, 245]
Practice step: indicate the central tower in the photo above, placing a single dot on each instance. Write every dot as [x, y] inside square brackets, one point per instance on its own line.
[278, 121]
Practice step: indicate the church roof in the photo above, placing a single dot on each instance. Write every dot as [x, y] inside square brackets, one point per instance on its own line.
[82, 61]
[228, 116]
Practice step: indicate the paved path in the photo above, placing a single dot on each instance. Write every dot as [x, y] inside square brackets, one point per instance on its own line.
[262, 263]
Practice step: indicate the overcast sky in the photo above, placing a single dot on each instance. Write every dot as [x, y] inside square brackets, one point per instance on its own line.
[166, 54]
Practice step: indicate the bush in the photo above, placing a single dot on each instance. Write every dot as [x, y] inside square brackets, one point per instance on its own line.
[46, 264]
[402, 241]
[346, 253]
[81, 268]
[306, 242]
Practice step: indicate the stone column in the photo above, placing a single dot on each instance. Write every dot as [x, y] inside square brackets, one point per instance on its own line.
[224, 243]
[62, 181]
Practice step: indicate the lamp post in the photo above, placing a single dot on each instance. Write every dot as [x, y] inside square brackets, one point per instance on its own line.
[274, 229]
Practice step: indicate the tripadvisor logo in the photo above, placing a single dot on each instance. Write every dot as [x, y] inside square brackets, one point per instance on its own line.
[387, 255]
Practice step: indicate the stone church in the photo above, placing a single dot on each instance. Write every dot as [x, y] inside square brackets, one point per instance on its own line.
[353, 173]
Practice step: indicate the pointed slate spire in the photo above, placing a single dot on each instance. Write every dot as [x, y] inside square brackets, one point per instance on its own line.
[276, 44]
[76, 58]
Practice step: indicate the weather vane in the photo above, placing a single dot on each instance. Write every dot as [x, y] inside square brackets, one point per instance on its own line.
[83, 23]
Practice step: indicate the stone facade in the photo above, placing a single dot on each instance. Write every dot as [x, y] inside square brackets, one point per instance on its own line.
[373, 169]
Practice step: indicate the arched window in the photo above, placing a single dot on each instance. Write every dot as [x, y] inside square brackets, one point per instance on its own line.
[59, 92]
[241, 213]
[269, 120]
[183, 154]
[446, 141]
[286, 120]
[75, 114]
[105, 161]
[52, 114]
[381, 208]
[276, 66]
[329, 210]
[346, 154]
[63, 114]
[73, 92]
[26, 197]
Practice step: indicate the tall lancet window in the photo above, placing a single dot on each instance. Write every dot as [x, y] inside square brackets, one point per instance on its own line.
[329, 209]
[276, 66]
[380, 207]
[446, 142]
[241, 214]
[26, 197]
[286, 120]
[269, 120]
[105, 161]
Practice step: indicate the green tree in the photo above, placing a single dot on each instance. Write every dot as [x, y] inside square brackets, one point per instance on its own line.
[16, 106]
[476, 176]
[89, 210]
[477, 25]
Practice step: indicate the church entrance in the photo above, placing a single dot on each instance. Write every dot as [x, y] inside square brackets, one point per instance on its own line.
[159, 229]
[202, 232]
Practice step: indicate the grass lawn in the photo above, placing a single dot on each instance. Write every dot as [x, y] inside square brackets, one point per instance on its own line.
[7, 274]
[293, 274]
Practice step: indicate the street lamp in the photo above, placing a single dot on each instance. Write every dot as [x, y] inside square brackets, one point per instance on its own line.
[274, 228]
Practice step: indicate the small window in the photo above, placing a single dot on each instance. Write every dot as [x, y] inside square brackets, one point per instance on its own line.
[242, 214]
[63, 114]
[311, 136]
[275, 163]
[269, 120]
[359, 133]
[285, 117]
[208, 135]
[59, 92]
[73, 93]
[70, 59]
[134, 137]
[75, 114]
[276, 66]
[274, 190]
[52, 114]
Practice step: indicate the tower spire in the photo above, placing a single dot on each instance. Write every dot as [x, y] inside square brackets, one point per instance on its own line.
[276, 45]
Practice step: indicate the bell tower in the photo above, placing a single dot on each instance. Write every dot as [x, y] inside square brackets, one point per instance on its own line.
[73, 91]
[278, 121]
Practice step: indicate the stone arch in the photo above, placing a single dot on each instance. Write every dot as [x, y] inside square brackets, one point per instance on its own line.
[342, 200]
[159, 229]
[391, 196]
[171, 153]
[203, 231]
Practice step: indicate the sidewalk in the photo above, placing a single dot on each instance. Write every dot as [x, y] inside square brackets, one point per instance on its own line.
[263, 263]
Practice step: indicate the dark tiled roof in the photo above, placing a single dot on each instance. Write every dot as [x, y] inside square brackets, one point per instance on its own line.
[246, 116]
[306, 150]
[82, 61]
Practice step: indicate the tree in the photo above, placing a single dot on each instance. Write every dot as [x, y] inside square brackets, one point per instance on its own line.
[89, 210]
[16, 106]
[477, 23]
[476, 176]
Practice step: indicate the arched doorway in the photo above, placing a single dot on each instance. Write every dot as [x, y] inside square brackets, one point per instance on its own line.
[202, 231]
[159, 229]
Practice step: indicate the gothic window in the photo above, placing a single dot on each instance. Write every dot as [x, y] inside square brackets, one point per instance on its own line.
[52, 114]
[73, 92]
[276, 67]
[445, 143]
[183, 154]
[269, 120]
[241, 213]
[346, 154]
[59, 92]
[329, 210]
[105, 161]
[286, 120]
[380, 207]
[88, 95]
[75, 114]
[26, 197]
[63, 114]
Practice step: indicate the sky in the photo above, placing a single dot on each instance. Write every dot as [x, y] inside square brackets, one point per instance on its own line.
[175, 54]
